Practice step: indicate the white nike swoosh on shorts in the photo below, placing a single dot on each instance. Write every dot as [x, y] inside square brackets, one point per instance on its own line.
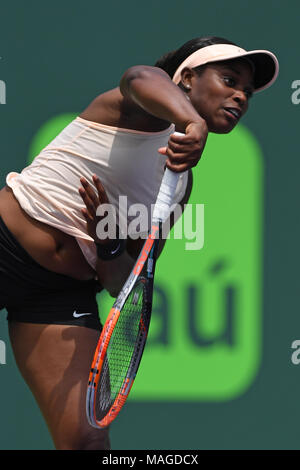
[77, 315]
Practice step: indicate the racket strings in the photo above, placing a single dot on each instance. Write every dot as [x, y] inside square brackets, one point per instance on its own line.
[127, 339]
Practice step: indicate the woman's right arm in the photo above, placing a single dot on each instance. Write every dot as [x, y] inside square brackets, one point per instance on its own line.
[153, 90]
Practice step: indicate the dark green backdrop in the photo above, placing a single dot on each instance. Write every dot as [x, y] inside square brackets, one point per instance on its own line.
[54, 59]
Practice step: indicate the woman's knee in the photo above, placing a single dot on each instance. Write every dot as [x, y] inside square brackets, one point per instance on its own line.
[85, 440]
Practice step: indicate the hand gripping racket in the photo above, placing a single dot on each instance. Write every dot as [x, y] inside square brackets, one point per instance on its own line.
[122, 340]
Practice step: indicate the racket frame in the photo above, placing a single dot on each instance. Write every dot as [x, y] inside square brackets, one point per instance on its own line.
[147, 254]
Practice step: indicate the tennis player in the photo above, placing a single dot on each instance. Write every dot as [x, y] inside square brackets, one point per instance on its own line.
[53, 264]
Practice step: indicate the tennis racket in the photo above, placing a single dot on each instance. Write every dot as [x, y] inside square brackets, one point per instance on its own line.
[124, 334]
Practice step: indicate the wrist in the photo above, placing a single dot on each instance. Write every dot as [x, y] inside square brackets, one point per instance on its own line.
[111, 249]
[201, 123]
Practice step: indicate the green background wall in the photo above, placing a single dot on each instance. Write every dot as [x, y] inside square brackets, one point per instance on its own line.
[55, 59]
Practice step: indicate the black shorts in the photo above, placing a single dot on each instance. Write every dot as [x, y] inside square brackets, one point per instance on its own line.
[31, 293]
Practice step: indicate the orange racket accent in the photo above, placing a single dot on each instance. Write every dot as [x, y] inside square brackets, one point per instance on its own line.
[118, 404]
[146, 250]
[143, 325]
[105, 336]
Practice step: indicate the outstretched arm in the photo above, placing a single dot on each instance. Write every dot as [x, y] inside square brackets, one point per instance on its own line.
[153, 90]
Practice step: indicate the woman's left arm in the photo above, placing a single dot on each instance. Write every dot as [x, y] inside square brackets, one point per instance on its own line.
[112, 274]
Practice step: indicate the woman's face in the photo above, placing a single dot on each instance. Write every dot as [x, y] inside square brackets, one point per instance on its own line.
[221, 93]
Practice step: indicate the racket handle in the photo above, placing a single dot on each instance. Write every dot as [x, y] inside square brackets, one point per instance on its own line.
[166, 193]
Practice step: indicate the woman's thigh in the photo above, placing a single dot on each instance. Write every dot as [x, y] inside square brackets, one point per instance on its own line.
[55, 361]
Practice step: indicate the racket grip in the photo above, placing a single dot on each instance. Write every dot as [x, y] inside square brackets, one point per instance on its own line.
[166, 193]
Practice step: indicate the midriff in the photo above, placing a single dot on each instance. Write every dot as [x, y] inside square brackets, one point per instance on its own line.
[48, 246]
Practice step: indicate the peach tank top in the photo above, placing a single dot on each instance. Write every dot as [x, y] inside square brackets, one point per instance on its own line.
[126, 161]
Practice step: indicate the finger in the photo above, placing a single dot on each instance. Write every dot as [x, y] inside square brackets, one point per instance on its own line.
[177, 158]
[187, 145]
[180, 148]
[88, 202]
[162, 150]
[177, 168]
[86, 215]
[182, 139]
[103, 198]
[90, 192]
[178, 138]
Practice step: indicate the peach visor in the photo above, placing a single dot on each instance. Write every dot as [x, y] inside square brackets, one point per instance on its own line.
[266, 66]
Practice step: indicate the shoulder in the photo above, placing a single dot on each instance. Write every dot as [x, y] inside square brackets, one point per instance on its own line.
[117, 108]
[139, 72]
[114, 109]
